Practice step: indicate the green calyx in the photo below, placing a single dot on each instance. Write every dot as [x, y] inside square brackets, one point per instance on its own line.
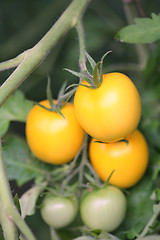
[95, 79]
[61, 100]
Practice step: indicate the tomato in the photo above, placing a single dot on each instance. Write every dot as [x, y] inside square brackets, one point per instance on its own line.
[128, 160]
[103, 209]
[84, 238]
[58, 211]
[110, 112]
[151, 237]
[51, 137]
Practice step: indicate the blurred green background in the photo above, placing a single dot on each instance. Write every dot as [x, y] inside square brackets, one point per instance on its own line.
[24, 22]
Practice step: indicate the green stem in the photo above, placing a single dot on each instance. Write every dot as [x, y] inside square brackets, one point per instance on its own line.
[35, 56]
[149, 225]
[9, 229]
[54, 235]
[12, 62]
[82, 46]
[93, 173]
[20, 223]
[83, 160]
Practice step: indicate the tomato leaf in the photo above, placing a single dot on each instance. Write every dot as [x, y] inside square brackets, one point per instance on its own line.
[16, 108]
[20, 164]
[1, 234]
[28, 199]
[145, 30]
[139, 208]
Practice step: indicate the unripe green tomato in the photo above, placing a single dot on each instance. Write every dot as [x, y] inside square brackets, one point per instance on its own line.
[84, 238]
[58, 211]
[151, 237]
[103, 209]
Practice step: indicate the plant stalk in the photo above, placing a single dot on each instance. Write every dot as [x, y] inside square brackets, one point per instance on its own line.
[36, 55]
[82, 46]
[8, 226]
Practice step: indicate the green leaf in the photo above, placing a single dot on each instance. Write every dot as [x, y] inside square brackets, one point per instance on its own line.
[16, 108]
[145, 30]
[1, 234]
[20, 164]
[28, 199]
[139, 206]
[135, 231]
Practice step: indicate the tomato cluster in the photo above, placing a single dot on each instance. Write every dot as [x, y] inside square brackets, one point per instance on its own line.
[110, 114]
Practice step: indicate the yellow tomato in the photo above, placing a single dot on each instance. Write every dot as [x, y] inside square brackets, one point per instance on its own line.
[110, 112]
[51, 137]
[128, 160]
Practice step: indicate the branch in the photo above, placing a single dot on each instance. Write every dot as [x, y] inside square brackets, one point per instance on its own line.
[35, 56]
[9, 229]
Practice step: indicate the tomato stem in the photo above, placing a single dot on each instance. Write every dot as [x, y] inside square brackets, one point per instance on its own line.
[6, 200]
[82, 46]
[54, 235]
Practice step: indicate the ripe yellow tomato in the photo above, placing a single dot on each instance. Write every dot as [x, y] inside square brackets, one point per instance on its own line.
[128, 160]
[110, 112]
[51, 137]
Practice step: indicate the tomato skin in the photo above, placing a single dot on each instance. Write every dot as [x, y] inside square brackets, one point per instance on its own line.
[51, 137]
[103, 209]
[58, 211]
[128, 160]
[110, 112]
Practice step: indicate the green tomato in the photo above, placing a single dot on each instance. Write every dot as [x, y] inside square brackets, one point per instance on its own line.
[151, 237]
[103, 209]
[58, 211]
[84, 238]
